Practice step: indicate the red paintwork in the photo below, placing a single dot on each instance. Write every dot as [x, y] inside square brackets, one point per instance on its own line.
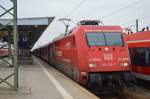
[73, 53]
[3, 52]
[141, 39]
[142, 70]
[78, 56]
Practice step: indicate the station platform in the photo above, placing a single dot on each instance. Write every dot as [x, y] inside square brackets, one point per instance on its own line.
[41, 81]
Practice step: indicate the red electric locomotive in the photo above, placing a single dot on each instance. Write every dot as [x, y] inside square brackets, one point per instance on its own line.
[92, 55]
[139, 45]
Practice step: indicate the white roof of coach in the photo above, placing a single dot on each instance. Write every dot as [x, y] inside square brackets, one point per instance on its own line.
[53, 31]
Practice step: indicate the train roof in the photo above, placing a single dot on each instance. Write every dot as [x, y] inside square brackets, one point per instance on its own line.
[101, 28]
[89, 28]
[138, 36]
[139, 39]
[52, 31]
[56, 31]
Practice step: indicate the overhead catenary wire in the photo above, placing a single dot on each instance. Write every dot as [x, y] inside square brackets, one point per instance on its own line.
[140, 19]
[134, 25]
[105, 3]
[81, 3]
[76, 7]
[145, 18]
[122, 9]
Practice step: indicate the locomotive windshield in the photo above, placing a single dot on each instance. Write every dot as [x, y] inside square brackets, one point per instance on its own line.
[100, 39]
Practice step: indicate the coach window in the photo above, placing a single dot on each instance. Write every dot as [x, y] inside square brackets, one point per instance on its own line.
[140, 56]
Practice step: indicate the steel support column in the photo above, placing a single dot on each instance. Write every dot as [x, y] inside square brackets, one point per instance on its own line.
[15, 41]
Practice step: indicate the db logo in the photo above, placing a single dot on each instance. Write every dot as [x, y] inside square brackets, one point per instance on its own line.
[108, 57]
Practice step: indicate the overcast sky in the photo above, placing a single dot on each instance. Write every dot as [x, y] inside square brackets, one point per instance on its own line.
[118, 12]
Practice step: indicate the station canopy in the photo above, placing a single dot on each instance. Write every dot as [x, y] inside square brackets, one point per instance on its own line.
[29, 29]
[29, 21]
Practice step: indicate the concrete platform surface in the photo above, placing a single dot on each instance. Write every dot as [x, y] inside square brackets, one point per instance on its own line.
[41, 81]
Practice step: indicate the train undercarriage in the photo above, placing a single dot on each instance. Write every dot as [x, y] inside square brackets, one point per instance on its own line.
[109, 83]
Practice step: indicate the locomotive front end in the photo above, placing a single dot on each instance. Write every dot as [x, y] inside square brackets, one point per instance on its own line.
[106, 64]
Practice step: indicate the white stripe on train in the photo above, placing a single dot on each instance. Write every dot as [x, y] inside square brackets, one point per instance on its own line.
[137, 41]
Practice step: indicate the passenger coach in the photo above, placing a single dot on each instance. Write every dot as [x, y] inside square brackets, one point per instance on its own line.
[139, 46]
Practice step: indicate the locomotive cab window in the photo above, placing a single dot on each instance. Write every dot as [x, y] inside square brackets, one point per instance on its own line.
[114, 38]
[95, 39]
[104, 39]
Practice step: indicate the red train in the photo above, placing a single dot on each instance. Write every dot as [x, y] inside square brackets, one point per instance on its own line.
[139, 46]
[3, 50]
[92, 55]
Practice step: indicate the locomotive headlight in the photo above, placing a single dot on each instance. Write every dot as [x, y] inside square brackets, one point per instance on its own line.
[83, 73]
[125, 64]
[92, 65]
[106, 48]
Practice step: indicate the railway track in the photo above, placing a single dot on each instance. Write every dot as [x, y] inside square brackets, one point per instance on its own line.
[137, 93]
[143, 83]
[128, 93]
